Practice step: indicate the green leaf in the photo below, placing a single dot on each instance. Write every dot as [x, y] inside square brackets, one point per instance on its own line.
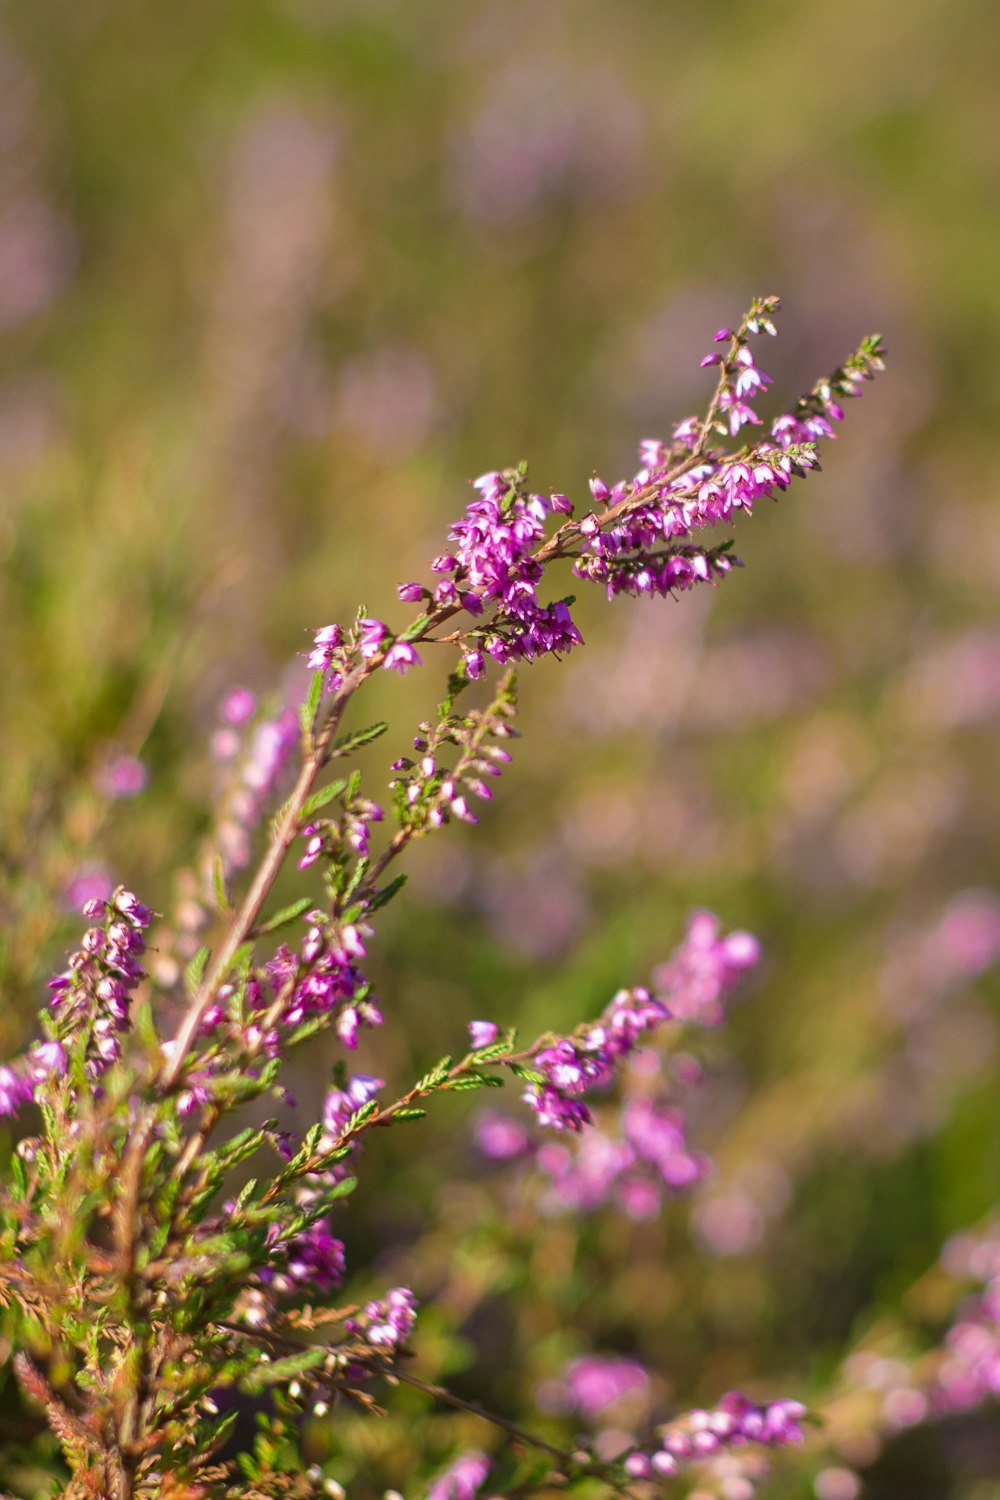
[236, 1087]
[20, 1175]
[242, 959]
[435, 1077]
[284, 916]
[240, 1147]
[212, 1435]
[320, 799]
[245, 1194]
[195, 970]
[382, 897]
[410, 1112]
[530, 1075]
[355, 877]
[307, 712]
[341, 1189]
[360, 1116]
[352, 742]
[494, 1050]
[282, 1370]
[307, 1149]
[278, 817]
[219, 891]
[414, 631]
[306, 1030]
[143, 1025]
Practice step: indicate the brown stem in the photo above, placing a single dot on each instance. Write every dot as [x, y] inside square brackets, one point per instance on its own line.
[568, 1460]
[440, 1393]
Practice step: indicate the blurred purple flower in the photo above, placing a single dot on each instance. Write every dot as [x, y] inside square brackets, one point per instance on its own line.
[592, 1383]
[121, 775]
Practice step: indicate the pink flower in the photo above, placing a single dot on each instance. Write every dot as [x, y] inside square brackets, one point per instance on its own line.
[400, 657]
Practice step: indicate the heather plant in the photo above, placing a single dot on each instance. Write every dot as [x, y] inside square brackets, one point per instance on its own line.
[173, 1255]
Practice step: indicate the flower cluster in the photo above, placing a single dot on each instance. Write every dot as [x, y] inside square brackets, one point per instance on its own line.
[572, 1066]
[350, 832]
[324, 978]
[257, 770]
[970, 1369]
[701, 975]
[692, 986]
[335, 652]
[644, 539]
[704, 1434]
[650, 1157]
[253, 759]
[339, 1108]
[292, 988]
[429, 792]
[313, 1261]
[386, 1324]
[493, 562]
[90, 1002]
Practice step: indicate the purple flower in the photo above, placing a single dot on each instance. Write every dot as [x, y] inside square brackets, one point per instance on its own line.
[705, 969]
[555, 1110]
[701, 1434]
[46, 1060]
[131, 907]
[14, 1091]
[326, 645]
[461, 1479]
[592, 1383]
[386, 1324]
[315, 1260]
[501, 1138]
[483, 1033]
[656, 1132]
[121, 776]
[341, 1104]
[272, 744]
[86, 884]
[371, 634]
[314, 845]
[492, 563]
[400, 657]
[238, 705]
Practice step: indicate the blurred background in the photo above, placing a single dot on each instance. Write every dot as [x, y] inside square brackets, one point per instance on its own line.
[277, 278]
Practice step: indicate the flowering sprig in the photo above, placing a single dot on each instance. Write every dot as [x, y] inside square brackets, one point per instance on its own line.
[429, 792]
[702, 1434]
[145, 1256]
[90, 1008]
